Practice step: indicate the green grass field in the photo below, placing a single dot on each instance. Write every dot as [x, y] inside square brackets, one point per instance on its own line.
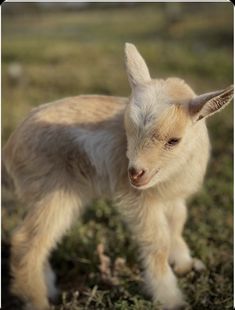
[64, 53]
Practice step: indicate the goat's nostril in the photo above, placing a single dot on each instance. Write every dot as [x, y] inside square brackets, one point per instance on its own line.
[140, 173]
[135, 173]
[132, 171]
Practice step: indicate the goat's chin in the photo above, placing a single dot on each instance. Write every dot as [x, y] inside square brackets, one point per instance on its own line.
[147, 185]
[141, 187]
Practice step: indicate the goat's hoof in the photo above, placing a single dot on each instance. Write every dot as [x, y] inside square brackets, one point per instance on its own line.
[198, 265]
[182, 306]
[186, 266]
[182, 267]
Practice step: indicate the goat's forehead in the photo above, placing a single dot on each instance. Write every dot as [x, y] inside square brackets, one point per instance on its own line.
[155, 99]
[172, 122]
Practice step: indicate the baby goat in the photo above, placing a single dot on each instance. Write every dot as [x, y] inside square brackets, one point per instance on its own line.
[148, 153]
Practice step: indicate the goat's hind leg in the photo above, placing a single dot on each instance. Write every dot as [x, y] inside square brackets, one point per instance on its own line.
[32, 242]
[50, 278]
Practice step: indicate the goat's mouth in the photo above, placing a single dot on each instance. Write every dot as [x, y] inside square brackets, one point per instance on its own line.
[143, 181]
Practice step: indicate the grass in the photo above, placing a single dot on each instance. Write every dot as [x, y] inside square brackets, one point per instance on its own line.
[65, 53]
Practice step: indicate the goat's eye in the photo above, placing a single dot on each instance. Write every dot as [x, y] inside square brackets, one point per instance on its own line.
[173, 141]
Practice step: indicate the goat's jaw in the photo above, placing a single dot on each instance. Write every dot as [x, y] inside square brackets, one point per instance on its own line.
[145, 183]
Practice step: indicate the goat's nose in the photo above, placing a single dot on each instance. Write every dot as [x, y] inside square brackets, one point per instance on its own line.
[135, 174]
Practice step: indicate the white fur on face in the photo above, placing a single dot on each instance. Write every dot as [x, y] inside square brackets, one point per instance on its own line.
[148, 102]
[146, 119]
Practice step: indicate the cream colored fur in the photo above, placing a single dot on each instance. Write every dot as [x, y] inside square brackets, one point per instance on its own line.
[69, 152]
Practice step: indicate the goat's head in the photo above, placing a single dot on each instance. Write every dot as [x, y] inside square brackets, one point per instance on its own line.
[160, 119]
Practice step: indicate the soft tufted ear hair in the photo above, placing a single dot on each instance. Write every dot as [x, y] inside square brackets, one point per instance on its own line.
[207, 104]
[136, 67]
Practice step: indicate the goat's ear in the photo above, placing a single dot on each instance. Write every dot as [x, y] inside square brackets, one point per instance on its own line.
[207, 104]
[136, 67]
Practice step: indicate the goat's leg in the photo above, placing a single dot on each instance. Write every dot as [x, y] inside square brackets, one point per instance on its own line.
[31, 244]
[180, 257]
[150, 228]
[50, 279]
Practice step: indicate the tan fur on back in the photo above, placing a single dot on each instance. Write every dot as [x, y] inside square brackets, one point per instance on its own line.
[82, 109]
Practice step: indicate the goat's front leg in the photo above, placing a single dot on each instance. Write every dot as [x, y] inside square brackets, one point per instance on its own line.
[180, 257]
[150, 228]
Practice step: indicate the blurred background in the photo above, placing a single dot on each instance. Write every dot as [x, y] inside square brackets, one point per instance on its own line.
[54, 50]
